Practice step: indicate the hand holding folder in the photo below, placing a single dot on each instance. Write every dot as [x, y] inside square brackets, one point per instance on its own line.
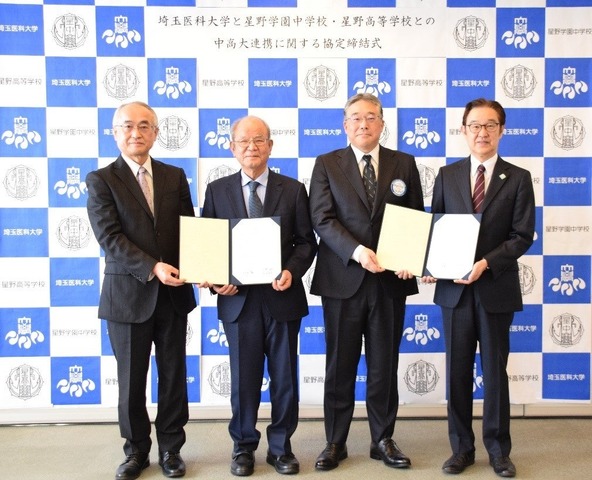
[437, 245]
[243, 251]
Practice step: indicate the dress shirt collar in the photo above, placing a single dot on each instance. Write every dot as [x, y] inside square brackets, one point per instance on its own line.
[262, 179]
[359, 154]
[135, 167]
[489, 165]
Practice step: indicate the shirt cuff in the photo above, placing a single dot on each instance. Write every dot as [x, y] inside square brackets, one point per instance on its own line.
[357, 252]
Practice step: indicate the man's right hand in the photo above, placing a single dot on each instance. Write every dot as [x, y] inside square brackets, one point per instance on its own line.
[225, 289]
[369, 261]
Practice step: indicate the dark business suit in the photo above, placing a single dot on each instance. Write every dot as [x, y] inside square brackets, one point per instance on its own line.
[357, 303]
[140, 311]
[483, 311]
[261, 322]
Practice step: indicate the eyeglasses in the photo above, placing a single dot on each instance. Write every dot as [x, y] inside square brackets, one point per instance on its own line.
[369, 119]
[476, 127]
[258, 141]
[143, 128]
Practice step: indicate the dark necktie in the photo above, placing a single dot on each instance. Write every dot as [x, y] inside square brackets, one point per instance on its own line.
[479, 192]
[255, 206]
[143, 181]
[369, 180]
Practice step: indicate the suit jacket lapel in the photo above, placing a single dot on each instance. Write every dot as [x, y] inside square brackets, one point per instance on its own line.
[463, 183]
[387, 166]
[234, 193]
[498, 178]
[272, 194]
[348, 164]
[158, 181]
[127, 177]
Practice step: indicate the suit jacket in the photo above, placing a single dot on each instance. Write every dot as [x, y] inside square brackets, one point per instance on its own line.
[134, 240]
[342, 218]
[287, 198]
[506, 233]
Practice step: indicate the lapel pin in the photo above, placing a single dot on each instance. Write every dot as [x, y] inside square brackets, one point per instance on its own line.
[503, 176]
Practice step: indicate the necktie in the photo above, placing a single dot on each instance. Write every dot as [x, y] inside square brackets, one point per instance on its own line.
[369, 180]
[143, 181]
[255, 206]
[479, 192]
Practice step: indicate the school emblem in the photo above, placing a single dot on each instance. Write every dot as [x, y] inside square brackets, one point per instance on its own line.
[421, 377]
[398, 187]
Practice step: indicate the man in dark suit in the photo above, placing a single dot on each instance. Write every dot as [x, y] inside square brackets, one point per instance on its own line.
[360, 299]
[142, 297]
[480, 310]
[263, 320]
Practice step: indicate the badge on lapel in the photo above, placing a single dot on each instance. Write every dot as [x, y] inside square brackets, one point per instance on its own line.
[398, 187]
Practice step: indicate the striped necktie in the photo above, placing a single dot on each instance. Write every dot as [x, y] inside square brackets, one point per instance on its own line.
[255, 206]
[369, 178]
[143, 181]
[479, 192]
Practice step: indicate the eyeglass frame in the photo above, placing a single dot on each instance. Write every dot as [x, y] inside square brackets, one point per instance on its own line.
[143, 128]
[370, 119]
[257, 141]
[489, 127]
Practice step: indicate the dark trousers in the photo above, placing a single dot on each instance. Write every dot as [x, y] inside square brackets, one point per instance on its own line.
[464, 327]
[254, 336]
[132, 344]
[377, 318]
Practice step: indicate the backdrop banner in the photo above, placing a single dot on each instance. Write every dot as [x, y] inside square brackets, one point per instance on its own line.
[65, 66]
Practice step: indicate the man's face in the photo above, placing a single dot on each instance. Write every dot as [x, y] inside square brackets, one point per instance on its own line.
[484, 142]
[135, 132]
[251, 146]
[363, 125]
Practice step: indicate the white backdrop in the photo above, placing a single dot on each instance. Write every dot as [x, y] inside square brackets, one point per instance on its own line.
[66, 65]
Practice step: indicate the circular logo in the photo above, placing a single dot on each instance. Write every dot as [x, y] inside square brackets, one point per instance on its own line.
[470, 33]
[121, 82]
[321, 83]
[21, 182]
[219, 379]
[427, 175]
[398, 187]
[74, 233]
[568, 132]
[69, 31]
[173, 133]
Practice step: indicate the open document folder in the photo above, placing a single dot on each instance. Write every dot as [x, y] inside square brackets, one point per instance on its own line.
[243, 251]
[441, 245]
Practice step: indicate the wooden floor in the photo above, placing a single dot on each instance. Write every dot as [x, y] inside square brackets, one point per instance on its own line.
[558, 448]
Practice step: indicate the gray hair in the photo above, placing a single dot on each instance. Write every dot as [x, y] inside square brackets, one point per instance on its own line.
[362, 96]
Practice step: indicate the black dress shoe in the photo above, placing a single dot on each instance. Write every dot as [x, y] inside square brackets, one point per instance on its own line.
[330, 456]
[458, 462]
[243, 463]
[503, 466]
[132, 466]
[172, 464]
[285, 464]
[388, 451]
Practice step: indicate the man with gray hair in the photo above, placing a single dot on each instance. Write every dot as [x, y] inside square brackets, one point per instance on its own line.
[349, 189]
[134, 205]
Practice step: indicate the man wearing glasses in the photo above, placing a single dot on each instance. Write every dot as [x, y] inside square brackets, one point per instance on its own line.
[480, 310]
[263, 321]
[362, 303]
[134, 206]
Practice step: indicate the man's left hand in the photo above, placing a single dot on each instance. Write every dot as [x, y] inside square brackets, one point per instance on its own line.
[168, 274]
[284, 282]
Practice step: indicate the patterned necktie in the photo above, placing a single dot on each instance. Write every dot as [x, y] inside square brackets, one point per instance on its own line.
[479, 192]
[255, 206]
[143, 181]
[369, 180]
